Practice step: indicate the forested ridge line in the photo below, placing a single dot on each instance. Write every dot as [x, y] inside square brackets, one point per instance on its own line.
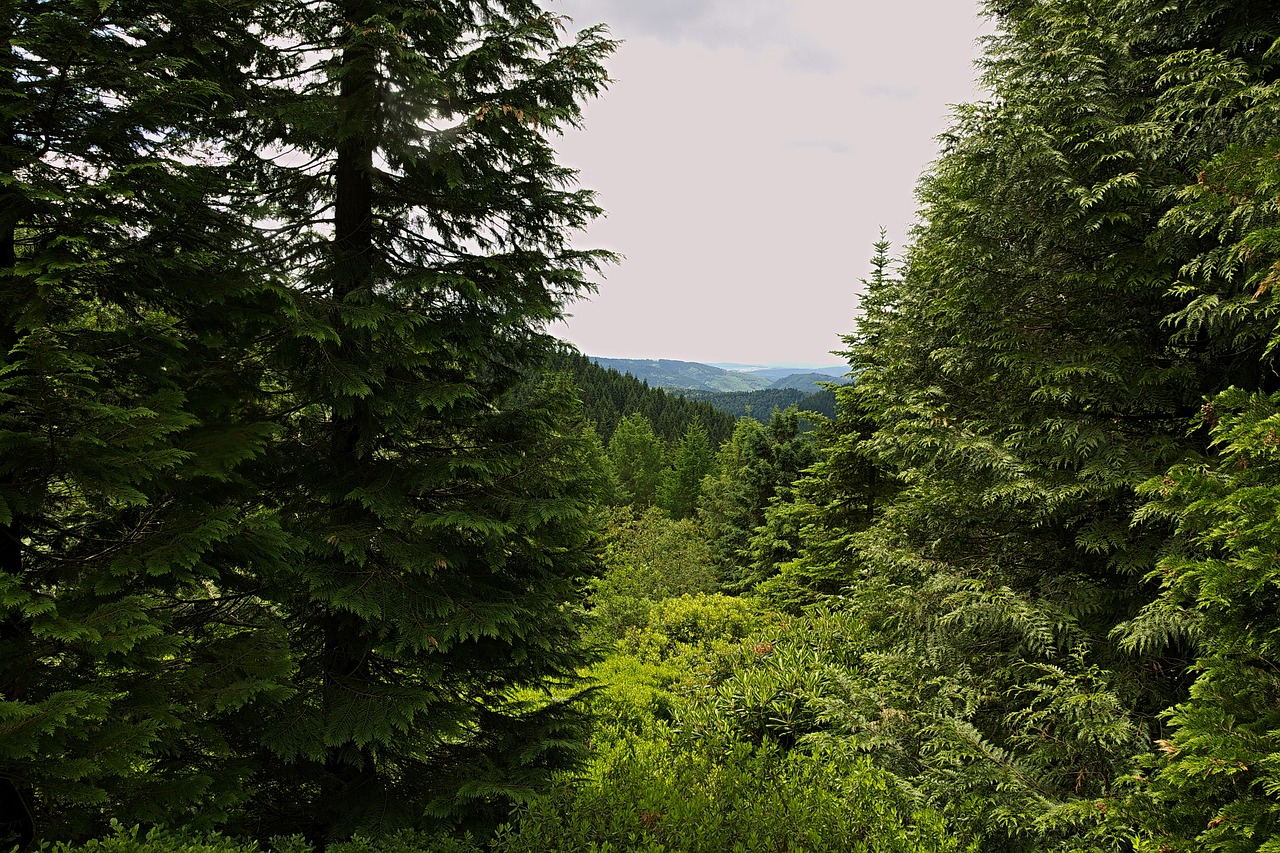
[307, 541]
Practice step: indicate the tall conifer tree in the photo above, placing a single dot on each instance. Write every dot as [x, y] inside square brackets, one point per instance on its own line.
[1023, 383]
[130, 305]
[425, 220]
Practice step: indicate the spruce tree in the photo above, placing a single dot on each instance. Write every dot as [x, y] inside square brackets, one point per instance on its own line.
[1023, 383]
[441, 511]
[682, 482]
[638, 458]
[753, 469]
[130, 396]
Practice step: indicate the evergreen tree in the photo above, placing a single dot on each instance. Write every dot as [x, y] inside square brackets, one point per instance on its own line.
[443, 520]
[638, 458]
[609, 396]
[131, 394]
[811, 535]
[682, 482]
[755, 467]
[1023, 384]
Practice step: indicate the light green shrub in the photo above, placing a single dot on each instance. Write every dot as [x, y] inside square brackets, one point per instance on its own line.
[648, 794]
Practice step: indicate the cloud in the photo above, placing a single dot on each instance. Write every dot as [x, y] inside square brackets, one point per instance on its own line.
[893, 93]
[753, 25]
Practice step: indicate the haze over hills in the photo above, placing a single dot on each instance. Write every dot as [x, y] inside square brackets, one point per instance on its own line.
[782, 371]
[696, 376]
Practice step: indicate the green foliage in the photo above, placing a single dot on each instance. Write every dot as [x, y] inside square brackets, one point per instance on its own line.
[754, 468]
[681, 484]
[608, 396]
[131, 398]
[638, 457]
[287, 540]
[648, 794]
[759, 404]
[1217, 775]
[648, 558]
[690, 625]
[1055, 326]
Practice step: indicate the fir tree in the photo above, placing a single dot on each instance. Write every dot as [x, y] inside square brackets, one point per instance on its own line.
[130, 397]
[638, 458]
[1022, 384]
[442, 516]
[682, 482]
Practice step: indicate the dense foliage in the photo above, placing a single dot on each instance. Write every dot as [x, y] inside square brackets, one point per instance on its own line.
[289, 540]
[1044, 474]
[758, 404]
[608, 396]
[291, 537]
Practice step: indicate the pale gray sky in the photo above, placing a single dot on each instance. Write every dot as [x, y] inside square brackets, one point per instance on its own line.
[747, 156]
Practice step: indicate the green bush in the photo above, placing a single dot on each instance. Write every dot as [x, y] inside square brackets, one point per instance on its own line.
[648, 558]
[691, 625]
[160, 840]
[647, 794]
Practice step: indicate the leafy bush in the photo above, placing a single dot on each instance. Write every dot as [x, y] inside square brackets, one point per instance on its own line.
[647, 558]
[649, 795]
[692, 624]
[159, 840]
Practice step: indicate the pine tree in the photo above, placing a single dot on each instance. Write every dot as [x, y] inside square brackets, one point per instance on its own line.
[682, 482]
[441, 509]
[1022, 383]
[130, 397]
[638, 458]
[754, 468]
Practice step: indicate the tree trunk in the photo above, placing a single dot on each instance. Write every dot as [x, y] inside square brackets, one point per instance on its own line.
[345, 657]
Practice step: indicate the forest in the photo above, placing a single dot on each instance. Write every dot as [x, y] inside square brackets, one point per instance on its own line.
[313, 537]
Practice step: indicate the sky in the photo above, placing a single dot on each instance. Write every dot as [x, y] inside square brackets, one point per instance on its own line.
[747, 155]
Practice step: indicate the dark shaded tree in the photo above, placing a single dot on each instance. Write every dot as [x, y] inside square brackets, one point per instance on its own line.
[133, 306]
[440, 507]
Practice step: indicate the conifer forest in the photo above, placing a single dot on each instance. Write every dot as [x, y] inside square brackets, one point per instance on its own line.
[313, 537]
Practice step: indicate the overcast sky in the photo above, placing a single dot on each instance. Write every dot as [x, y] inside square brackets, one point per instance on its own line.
[747, 156]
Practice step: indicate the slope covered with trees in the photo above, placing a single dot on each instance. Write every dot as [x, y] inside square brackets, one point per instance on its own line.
[759, 404]
[608, 396]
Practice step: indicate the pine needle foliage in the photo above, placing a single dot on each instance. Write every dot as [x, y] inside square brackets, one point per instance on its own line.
[1077, 286]
[131, 393]
[440, 503]
[288, 537]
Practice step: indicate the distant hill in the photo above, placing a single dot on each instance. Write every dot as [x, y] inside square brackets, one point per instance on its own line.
[691, 375]
[608, 396]
[811, 382]
[775, 373]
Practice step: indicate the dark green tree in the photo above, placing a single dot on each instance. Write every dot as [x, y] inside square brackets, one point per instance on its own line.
[1023, 382]
[754, 468]
[681, 485]
[608, 396]
[132, 306]
[441, 511]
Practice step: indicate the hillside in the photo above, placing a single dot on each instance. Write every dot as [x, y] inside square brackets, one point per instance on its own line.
[759, 404]
[834, 371]
[809, 382]
[608, 395]
[668, 373]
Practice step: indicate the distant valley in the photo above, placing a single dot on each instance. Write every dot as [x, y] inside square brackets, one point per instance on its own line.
[696, 376]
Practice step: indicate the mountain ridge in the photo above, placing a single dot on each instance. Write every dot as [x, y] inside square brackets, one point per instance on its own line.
[674, 374]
